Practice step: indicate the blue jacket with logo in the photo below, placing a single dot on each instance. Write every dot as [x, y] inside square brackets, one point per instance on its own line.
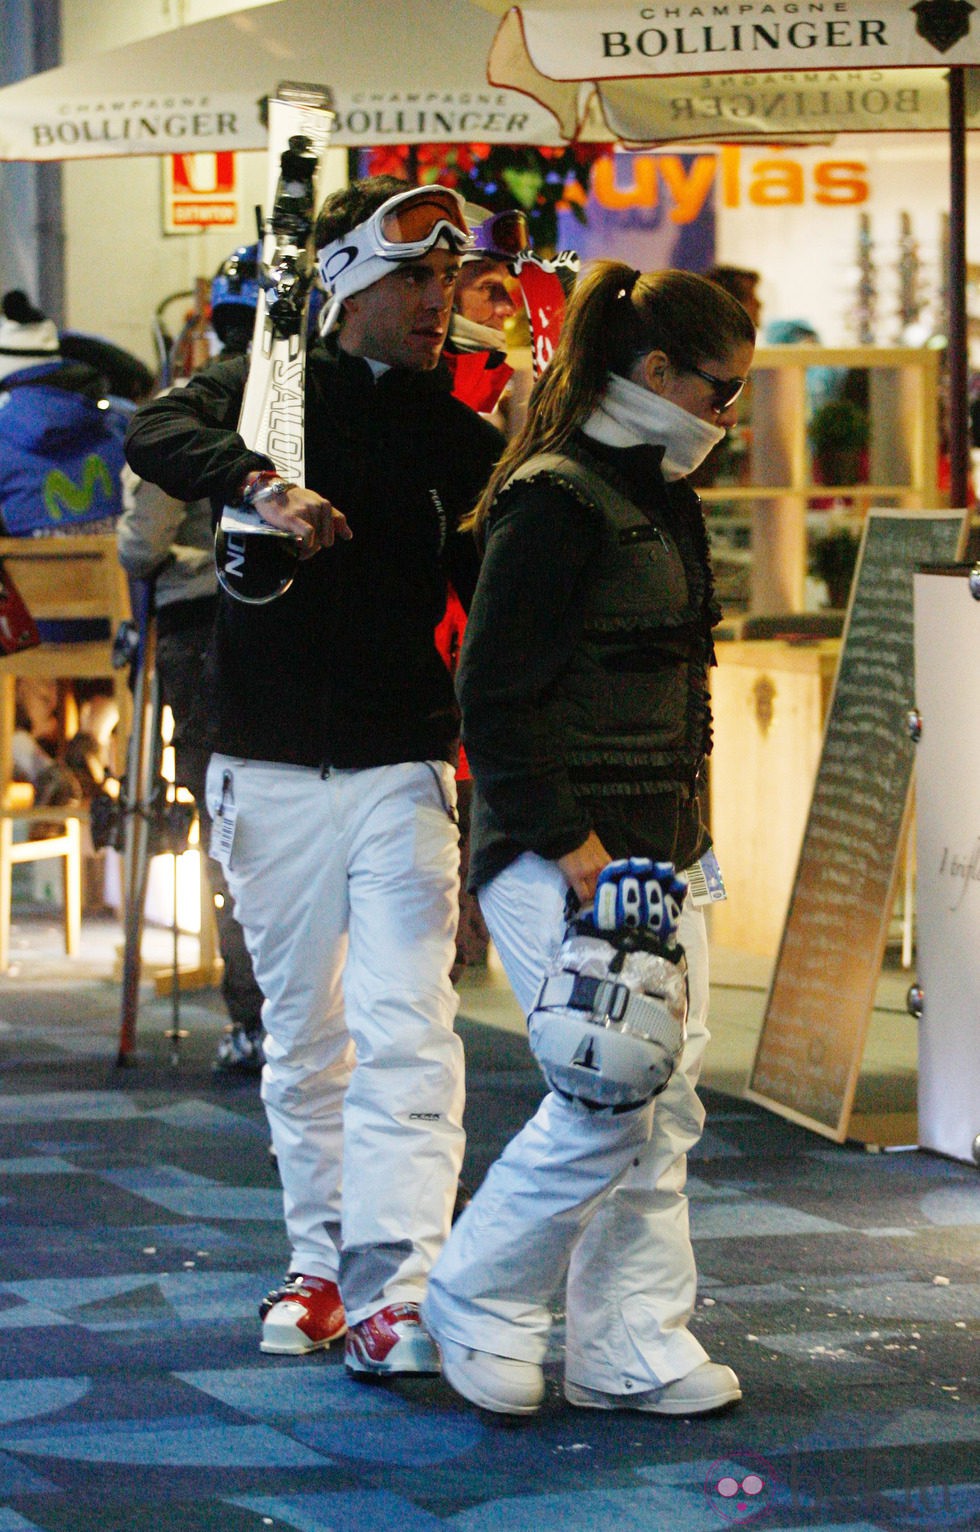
[61, 452]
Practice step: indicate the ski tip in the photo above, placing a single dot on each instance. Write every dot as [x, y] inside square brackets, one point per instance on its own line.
[239, 519]
[299, 93]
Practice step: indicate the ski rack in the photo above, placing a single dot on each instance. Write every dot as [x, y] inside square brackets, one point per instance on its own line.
[144, 821]
[142, 774]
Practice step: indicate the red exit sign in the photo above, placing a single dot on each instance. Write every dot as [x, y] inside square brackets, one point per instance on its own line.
[200, 191]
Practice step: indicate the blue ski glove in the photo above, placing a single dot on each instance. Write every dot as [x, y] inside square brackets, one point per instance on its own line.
[639, 894]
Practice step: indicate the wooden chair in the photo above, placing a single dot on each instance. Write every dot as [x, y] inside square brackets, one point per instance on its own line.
[60, 578]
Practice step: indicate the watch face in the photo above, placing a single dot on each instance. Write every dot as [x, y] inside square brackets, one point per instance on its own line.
[265, 487]
[255, 567]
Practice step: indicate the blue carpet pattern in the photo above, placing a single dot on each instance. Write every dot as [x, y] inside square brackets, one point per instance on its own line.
[141, 1224]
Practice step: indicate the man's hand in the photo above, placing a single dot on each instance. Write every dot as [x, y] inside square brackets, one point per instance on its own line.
[583, 866]
[311, 519]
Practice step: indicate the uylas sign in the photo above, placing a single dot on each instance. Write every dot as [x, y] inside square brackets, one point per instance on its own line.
[737, 178]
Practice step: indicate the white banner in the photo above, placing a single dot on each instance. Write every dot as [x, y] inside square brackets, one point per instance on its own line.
[687, 37]
[89, 127]
[729, 108]
[947, 639]
[42, 127]
[398, 75]
[46, 128]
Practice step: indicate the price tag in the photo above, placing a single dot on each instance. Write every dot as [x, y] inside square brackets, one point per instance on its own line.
[705, 882]
[223, 823]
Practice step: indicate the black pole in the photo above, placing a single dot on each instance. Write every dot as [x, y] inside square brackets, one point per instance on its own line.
[956, 352]
[49, 233]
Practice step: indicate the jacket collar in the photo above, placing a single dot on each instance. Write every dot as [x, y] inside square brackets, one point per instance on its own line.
[354, 374]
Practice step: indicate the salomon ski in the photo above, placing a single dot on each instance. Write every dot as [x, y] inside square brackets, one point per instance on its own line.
[271, 421]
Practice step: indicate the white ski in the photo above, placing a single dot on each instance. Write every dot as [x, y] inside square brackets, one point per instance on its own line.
[301, 119]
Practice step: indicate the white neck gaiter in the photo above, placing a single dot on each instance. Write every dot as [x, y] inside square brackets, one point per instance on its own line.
[629, 416]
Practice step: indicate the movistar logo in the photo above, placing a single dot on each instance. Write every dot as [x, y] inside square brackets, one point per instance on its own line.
[63, 497]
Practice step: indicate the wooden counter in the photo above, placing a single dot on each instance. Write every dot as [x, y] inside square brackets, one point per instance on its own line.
[769, 699]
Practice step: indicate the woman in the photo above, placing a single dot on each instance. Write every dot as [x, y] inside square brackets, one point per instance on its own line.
[583, 683]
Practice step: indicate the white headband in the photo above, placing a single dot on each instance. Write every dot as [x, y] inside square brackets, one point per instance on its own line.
[363, 256]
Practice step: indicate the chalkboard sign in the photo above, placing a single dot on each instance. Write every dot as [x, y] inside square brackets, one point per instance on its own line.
[823, 987]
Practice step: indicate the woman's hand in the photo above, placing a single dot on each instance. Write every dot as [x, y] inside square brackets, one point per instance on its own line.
[582, 867]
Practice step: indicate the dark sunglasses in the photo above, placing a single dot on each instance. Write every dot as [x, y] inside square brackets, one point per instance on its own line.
[726, 390]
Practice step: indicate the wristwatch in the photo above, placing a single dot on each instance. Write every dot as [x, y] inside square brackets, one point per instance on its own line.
[266, 486]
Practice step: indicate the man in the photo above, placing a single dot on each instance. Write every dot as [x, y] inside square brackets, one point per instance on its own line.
[483, 295]
[743, 285]
[487, 298]
[172, 542]
[335, 729]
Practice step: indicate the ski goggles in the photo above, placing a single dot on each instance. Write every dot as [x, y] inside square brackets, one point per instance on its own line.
[404, 228]
[411, 222]
[503, 236]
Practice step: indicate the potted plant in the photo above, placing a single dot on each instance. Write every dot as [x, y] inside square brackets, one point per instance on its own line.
[832, 561]
[839, 435]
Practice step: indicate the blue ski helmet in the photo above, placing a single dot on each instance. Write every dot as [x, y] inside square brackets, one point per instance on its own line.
[234, 296]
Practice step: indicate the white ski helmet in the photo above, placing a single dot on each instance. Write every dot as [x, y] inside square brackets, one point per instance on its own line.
[610, 1020]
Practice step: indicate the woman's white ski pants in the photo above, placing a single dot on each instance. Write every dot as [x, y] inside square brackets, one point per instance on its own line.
[584, 1198]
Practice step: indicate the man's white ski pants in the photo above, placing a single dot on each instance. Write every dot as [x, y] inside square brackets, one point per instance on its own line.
[346, 887]
[588, 1198]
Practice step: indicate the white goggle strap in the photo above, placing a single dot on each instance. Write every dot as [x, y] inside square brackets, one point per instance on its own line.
[329, 317]
[350, 264]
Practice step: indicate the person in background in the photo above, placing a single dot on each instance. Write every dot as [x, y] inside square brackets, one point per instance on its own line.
[61, 440]
[336, 731]
[61, 461]
[171, 543]
[583, 682]
[822, 383]
[487, 300]
[476, 352]
[126, 379]
[484, 297]
[743, 284]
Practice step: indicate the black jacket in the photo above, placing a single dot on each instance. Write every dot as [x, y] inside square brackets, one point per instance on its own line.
[521, 655]
[342, 669]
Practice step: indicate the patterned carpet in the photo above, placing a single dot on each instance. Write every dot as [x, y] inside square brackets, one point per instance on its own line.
[141, 1223]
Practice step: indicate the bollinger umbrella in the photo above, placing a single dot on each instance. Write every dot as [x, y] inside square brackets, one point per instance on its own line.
[399, 73]
[742, 72]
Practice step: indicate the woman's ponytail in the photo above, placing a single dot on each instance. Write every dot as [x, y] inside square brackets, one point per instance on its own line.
[600, 334]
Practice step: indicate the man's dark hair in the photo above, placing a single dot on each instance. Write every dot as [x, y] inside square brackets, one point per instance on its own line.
[737, 280]
[343, 210]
